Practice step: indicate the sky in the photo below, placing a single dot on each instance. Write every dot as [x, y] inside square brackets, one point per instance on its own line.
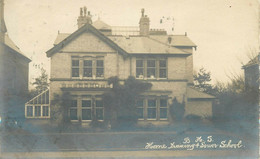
[225, 31]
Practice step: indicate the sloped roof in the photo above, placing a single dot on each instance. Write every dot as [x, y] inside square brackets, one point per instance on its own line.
[144, 45]
[194, 93]
[101, 25]
[177, 40]
[60, 37]
[10, 44]
[86, 27]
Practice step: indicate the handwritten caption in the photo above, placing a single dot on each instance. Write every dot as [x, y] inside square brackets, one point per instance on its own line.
[198, 143]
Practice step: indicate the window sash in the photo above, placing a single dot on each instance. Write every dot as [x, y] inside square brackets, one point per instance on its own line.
[45, 111]
[73, 114]
[99, 68]
[75, 67]
[86, 113]
[37, 111]
[99, 113]
[151, 113]
[151, 68]
[162, 69]
[29, 111]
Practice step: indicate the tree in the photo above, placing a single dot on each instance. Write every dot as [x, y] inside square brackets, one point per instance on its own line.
[41, 82]
[60, 108]
[177, 109]
[120, 100]
[201, 81]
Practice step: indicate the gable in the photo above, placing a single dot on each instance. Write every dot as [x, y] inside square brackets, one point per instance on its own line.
[89, 29]
[87, 42]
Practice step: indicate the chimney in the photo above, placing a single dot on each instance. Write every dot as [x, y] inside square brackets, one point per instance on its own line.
[83, 17]
[144, 24]
[2, 22]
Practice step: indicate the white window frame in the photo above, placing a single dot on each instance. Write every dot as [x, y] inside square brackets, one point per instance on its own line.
[157, 68]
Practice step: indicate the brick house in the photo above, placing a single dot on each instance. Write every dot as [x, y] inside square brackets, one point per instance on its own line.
[14, 69]
[82, 62]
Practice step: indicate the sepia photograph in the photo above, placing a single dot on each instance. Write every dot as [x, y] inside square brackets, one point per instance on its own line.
[129, 79]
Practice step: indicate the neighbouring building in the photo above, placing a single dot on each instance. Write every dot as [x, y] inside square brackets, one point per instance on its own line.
[14, 67]
[82, 62]
[251, 71]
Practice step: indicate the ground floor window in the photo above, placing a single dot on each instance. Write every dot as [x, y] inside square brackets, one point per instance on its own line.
[87, 108]
[37, 111]
[152, 108]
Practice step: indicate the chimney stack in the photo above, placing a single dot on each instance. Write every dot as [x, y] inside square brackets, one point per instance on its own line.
[83, 17]
[144, 24]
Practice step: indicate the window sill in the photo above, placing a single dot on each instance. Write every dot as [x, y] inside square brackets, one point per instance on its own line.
[47, 117]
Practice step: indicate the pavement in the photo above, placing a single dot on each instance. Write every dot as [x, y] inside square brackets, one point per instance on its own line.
[119, 145]
[133, 154]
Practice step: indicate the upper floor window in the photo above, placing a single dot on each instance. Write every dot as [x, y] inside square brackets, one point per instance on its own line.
[99, 68]
[151, 68]
[139, 68]
[87, 72]
[87, 67]
[75, 67]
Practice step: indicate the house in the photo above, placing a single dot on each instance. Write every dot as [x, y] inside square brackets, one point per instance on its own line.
[251, 71]
[14, 68]
[81, 63]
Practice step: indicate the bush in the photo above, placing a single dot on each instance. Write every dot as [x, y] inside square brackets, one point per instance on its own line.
[97, 124]
[177, 110]
[193, 117]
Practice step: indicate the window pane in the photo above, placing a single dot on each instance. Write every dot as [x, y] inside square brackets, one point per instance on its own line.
[163, 113]
[75, 62]
[29, 111]
[86, 114]
[151, 113]
[100, 63]
[162, 73]
[100, 72]
[163, 103]
[87, 72]
[162, 63]
[86, 103]
[74, 103]
[99, 114]
[87, 63]
[139, 63]
[151, 103]
[139, 72]
[150, 63]
[75, 72]
[140, 112]
[37, 111]
[140, 103]
[45, 111]
[73, 114]
[99, 103]
[150, 72]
